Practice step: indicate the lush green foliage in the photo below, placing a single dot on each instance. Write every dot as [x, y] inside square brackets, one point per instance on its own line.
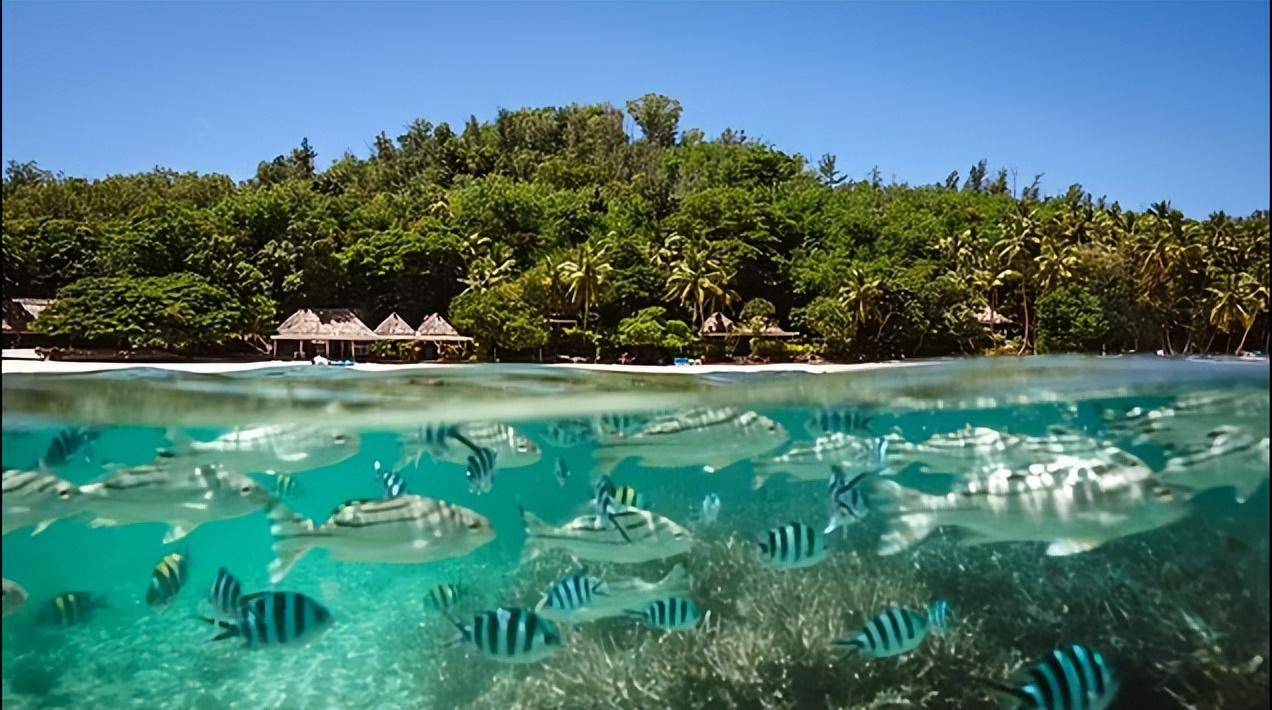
[559, 212]
[650, 332]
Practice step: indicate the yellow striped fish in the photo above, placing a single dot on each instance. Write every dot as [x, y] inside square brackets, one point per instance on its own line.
[167, 581]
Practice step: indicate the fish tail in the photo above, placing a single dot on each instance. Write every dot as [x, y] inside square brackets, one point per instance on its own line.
[635, 614]
[849, 646]
[1007, 694]
[534, 524]
[179, 439]
[676, 582]
[228, 629]
[605, 463]
[293, 538]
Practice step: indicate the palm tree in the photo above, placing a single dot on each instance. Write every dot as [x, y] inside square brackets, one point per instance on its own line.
[1238, 303]
[1015, 250]
[1055, 262]
[584, 275]
[860, 294]
[698, 280]
[488, 264]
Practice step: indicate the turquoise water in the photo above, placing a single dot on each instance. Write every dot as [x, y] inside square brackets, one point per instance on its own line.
[1173, 590]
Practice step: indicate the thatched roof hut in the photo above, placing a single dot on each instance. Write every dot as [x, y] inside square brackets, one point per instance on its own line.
[19, 312]
[990, 317]
[394, 328]
[436, 329]
[775, 331]
[717, 325]
[324, 324]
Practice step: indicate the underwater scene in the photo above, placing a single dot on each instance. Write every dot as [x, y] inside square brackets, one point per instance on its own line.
[1048, 532]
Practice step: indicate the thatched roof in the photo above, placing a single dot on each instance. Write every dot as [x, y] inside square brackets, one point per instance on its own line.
[775, 331]
[436, 328]
[324, 324]
[19, 312]
[989, 316]
[394, 328]
[717, 325]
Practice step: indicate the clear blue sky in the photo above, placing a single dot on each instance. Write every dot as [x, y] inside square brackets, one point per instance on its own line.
[1139, 101]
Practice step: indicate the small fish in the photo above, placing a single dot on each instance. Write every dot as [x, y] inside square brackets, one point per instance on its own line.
[409, 529]
[621, 595]
[481, 471]
[628, 496]
[1071, 676]
[633, 535]
[793, 546]
[562, 471]
[184, 497]
[167, 580]
[511, 635]
[671, 614]
[847, 499]
[574, 592]
[394, 484]
[454, 443]
[71, 608]
[67, 442]
[568, 433]
[15, 597]
[829, 420]
[606, 505]
[710, 509]
[285, 486]
[39, 499]
[226, 594]
[444, 596]
[275, 619]
[941, 616]
[891, 633]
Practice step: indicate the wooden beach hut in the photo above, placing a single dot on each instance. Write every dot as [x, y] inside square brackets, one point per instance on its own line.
[435, 333]
[335, 333]
[991, 318]
[717, 325]
[395, 328]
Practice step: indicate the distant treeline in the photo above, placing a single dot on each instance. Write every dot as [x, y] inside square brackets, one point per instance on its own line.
[560, 213]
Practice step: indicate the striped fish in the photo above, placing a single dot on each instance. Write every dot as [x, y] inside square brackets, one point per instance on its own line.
[568, 433]
[511, 635]
[39, 499]
[847, 499]
[632, 536]
[167, 580]
[71, 608]
[941, 617]
[481, 470]
[285, 486]
[275, 619]
[226, 594]
[574, 592]
[607, 507]
[409, 529]
[671, 614]
[793, 546]
[847, 421]
[710, 438]
[393, 483]
[67, 442]
[1071, 677]
[562, 471]
[891, 633]
[444, 596]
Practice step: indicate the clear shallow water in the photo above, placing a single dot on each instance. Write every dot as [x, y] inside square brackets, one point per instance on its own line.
[1180, 608]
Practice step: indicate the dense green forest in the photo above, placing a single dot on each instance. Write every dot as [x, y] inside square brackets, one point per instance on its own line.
[562, 212]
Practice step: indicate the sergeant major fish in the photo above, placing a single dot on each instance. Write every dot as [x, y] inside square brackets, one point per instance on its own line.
[510, 635]
[269, 449]
[167, 580]
[574, 591]
[67, 442]
[893, 632]
[392, 481]
[568, 433]
[183, 497]
[847, 500]
[1070, 677]
[455, 443]
[622, 594]
[226, 594]
[443, 597]
[481, 471]
[710, 438]
[275, 619]
[71, 608]
[671, 614]
[409, 529]
[39, 499]
[793, 546]
[633, 535]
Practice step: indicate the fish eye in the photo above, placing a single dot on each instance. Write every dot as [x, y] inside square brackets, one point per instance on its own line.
[64, 494]
[245, 489]
[340, 439]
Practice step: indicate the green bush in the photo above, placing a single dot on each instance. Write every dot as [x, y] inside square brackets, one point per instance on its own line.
[649, 331]
[1071, 319]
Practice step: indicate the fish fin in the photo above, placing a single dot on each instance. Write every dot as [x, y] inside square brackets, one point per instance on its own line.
[534, 524]
[849, 646]
[1063, 547]
[1004, 691]
[617, 525]
[675, 580]
[227, 629]
[178, 531]
[197, 506]
[906, 532]
[635, 614]
[180, 440]
[102, 523]
[294, 458]
[293, 538]
[42, 526]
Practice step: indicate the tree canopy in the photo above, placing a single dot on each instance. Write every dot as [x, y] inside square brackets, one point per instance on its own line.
[574, 212]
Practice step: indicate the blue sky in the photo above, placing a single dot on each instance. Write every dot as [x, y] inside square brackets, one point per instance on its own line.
[1139, 101]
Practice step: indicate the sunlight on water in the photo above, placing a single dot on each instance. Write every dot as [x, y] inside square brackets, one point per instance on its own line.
[986, 512]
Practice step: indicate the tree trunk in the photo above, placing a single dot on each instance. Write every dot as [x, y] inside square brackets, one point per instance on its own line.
[1024, 305]
[1246, 334]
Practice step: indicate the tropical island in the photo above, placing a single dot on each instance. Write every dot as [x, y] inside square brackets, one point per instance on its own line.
[566, 232]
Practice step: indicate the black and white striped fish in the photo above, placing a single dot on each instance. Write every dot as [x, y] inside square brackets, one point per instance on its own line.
[444, 596]
[607, 507]
[39, 499]
[67, 442]
[71, 608]
[941, 617]
[793, 546]
[226, 594]
[568, 433]
[167, 580]
[575, 591]
[562, 471]
[275, 619]
[394, 484]
[481, 470]
[847, 498]
[511, 635]
[285, 486]
[847, 421]
[1072, 677]
[891, 633]
[671, 614]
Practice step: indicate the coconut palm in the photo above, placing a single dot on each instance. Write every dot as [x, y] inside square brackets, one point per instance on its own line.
[698, 281]
[1021, 233]
[584, 275]
[861, 295]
